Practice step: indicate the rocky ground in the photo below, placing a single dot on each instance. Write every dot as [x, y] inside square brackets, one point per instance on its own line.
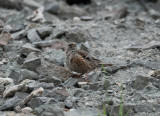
[34, 79]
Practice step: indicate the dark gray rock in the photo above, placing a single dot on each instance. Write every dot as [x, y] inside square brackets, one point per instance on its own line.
[68, 104]
[9, 104]
[140, 82]
[53, 7]
[33, 36]
[44, 32]
[36, 102]
[84, 47]
[56, 80]
[94, 76]
[97, 86]
[28, 48]
[32, 64]
[150, 89]
[148, 64]
[21, 59]
[51, 79]
[15, 75]
[2, 88]
[19, 35]
[27, 74]
[21, 95]
[45, 85]
[31, 56]
[70, 82]
[70, 101]
[42, 44]
[58, 93]
[31, 86]
[49, 110]
[56, 56]
[131, 109]
[77, 35]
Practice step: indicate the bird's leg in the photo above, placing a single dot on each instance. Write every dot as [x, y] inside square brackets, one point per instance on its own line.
[86, 77]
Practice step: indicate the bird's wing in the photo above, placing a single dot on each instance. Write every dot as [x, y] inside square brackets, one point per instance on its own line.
[87, 56]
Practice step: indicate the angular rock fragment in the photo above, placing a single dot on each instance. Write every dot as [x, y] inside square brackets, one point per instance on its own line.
[27, 48]
[27, 110]
[5, 37]
[9, 104]
[19, 35]
[32, 64]
[59, 93]
[33, 36]
[10, 91]
[44, 31]
[27, 74]
[5, 81]
[15, 75]
[141, 82]
[35, 93]
[49, 110]
[36, 102]
[78, 35]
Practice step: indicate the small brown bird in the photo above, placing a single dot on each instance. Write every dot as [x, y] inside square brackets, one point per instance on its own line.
[81, 61]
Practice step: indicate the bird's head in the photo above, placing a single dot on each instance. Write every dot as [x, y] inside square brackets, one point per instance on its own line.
[72, 46]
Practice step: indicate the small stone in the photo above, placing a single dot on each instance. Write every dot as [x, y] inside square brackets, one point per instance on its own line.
[86, 18]
[68, 104]
[140, 82]
[27, 110]
[27, 74]
[57, 56]
[45, 85]
[28, 48]
[77, 35]
[31, 3]
[51, 79]
[21, 95]
[93, 76]
[30, 85]
[70, 82]
[84, 112]
[53, 8]
[49, 110]
[10, 91]
[158, 100]
[76, 19]
[4, 38]
[59, 93]
[32, 64]
[56, 80]
[41, 44]
[33, 36]
[44, 32]
[35, 93]
[84, 47]
[15, 75]
[5, 81]
[36, 102]
[9, 104]
[19, 35]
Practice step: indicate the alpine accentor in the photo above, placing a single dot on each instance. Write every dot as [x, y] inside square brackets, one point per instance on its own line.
[81, 61]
